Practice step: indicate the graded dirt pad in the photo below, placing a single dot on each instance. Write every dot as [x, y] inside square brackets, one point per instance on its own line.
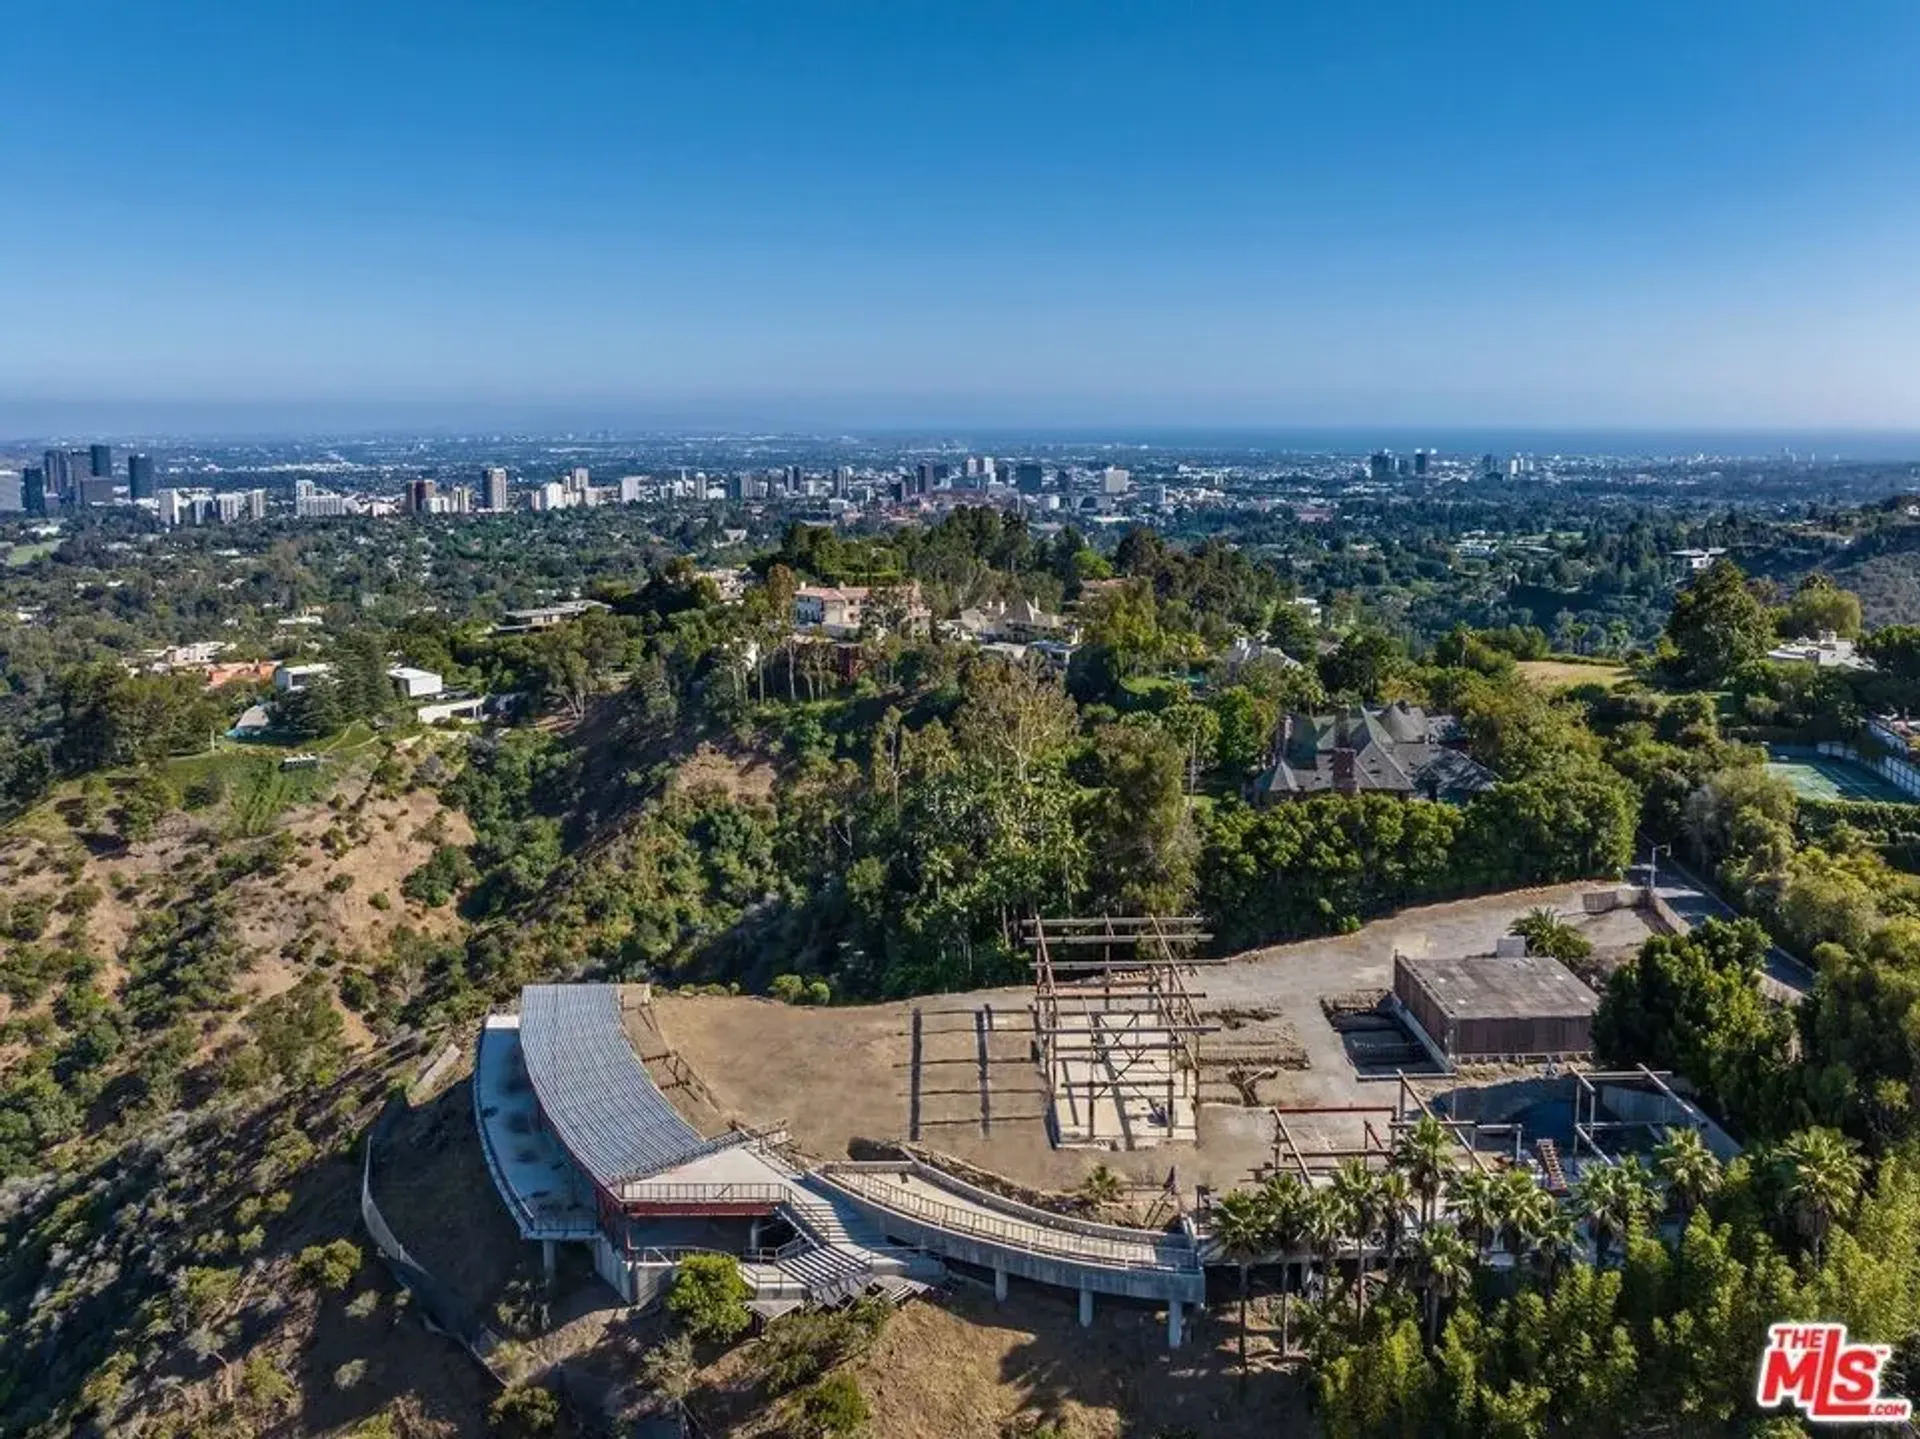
[958, 1366]
[842, 1074]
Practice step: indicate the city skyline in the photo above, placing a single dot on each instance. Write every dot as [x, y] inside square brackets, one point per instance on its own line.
[752, 216]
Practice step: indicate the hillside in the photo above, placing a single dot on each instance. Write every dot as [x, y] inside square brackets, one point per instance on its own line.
[188, 1043]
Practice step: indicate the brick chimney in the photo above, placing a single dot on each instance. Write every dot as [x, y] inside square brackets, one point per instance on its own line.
[1343, 780]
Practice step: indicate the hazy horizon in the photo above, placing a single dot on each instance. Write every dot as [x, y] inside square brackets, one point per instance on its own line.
[214, 424]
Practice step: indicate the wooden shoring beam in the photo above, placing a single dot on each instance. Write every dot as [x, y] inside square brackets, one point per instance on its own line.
[1281, 1132]
[1117, 924]
[1115, 940]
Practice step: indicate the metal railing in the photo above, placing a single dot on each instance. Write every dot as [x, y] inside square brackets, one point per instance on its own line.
[642, 1191]
[1030, 1238]
[1017, 1210]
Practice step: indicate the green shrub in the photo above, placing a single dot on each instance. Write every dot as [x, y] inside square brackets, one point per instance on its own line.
[835, 1407]
[524, 1411]
[709, 1297]
[329, 1267]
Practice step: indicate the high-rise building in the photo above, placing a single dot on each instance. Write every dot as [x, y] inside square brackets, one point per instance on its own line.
[842, 481]
[169, 507]
[495, 488]
[100, 461]
[140, 476]
[33, 490]
[923, 477]
[1419, 462]
[12, 492]
[420, 497]
[1490, 467]
[631, 488]
[59, 474]
[1380, 465]
[256, 504]
[1115, 481]
[1028, 477]
[230, 505]
[92, 491]
[578, 480]
[310, 502]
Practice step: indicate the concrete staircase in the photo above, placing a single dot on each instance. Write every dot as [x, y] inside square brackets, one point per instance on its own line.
[848, 1255]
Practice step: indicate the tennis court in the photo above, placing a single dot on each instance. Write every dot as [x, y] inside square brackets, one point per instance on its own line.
[1817, 776]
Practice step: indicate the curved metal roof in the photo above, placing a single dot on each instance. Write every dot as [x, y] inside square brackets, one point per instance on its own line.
[597, 1097]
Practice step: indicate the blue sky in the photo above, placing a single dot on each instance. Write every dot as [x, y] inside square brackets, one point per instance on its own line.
[1628, 214]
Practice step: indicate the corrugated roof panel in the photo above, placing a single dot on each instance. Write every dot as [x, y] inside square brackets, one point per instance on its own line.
[596, 1095]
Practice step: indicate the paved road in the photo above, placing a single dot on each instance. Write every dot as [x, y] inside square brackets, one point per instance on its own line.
[1693, 900]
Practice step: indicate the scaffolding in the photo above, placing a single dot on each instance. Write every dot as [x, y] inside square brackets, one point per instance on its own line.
[1380, 1126]
[1117, 1035]
[1662, 1111]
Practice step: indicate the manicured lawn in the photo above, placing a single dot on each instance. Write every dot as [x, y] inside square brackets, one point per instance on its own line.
[18, 555]
[1565, 674]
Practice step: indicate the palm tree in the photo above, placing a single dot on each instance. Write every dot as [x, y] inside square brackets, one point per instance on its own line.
[1822, 1176]
[1287, 1201]
[1423, 1153]
[1358, 1189]
[1689, 1169]
[1522, 1206]
[1324, 1220]
[1553, 1242]
[1642, 1188]
[1395, 1193]
[1611, 1198]
[1475, 1198]
[1445, 1262]
[1243, 1231]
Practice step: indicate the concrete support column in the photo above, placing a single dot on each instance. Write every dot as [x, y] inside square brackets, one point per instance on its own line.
[1086, 1308]
[999, 1284]
[549, 1259]
[1173, 1324]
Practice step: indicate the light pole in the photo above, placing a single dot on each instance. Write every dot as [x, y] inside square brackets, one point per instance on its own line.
[1653, 864]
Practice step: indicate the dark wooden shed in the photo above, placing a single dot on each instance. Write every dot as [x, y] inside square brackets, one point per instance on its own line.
[1496, 1007]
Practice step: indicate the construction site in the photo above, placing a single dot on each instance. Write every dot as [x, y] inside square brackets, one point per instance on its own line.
[887, 1148]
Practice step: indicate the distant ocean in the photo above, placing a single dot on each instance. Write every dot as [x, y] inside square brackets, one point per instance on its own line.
[1863, 445]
